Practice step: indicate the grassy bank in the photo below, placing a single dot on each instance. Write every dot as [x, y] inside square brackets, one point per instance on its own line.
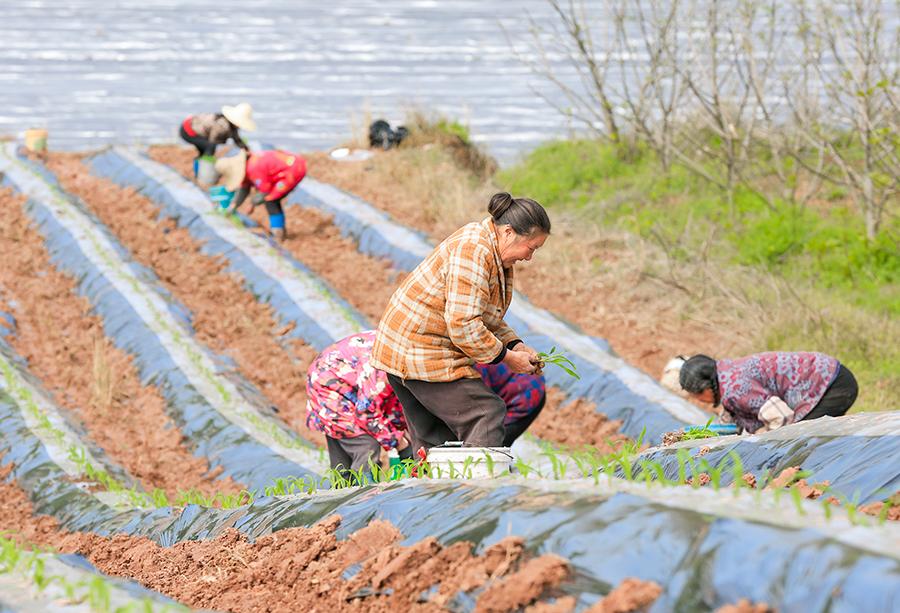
[795, 277]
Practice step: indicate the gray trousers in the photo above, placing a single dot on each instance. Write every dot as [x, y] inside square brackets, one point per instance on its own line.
[353, 453]
[462, 410]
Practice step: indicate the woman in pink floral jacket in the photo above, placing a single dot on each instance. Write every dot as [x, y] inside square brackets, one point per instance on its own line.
[353, 403]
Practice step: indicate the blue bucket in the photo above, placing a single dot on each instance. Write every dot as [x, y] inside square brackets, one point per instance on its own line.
[221, 196]
[719, 429]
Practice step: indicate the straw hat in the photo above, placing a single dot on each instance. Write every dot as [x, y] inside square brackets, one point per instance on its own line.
[240, 115]
[233, 169]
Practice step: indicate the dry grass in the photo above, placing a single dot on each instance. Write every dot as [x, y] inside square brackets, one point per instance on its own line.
[106, 377]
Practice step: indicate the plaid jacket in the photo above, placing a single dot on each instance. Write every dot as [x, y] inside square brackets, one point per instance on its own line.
[448, 313]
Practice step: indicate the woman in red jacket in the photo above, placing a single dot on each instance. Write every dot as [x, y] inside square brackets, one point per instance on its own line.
[273, 174]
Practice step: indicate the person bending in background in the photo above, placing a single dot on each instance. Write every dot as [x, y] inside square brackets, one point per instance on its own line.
[273, 174]
[355, 406]
[765, 391]
[207, 130]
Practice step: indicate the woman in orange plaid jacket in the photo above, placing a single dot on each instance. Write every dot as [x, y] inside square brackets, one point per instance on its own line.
[447, 316]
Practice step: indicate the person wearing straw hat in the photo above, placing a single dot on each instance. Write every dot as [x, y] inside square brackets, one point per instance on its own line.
[207, 130]
[272, 173]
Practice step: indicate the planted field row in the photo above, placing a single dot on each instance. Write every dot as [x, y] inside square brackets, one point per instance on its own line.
[62, 340]
[225, 418]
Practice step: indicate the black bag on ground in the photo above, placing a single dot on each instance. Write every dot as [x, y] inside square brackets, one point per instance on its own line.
[382, 135]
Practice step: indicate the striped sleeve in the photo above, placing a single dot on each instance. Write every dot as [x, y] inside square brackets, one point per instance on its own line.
[467, 298]
[505, 333]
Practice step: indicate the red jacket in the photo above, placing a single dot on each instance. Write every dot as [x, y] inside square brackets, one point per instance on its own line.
[275, 173]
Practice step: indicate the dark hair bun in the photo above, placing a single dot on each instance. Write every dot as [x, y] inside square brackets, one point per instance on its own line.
[499, 204]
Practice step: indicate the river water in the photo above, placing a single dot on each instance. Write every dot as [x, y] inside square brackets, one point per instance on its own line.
[128, 72]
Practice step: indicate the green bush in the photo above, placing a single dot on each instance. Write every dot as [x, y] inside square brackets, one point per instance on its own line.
[827, 248]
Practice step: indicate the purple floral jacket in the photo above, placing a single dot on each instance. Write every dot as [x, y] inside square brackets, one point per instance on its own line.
[800, 379]
[348, 397]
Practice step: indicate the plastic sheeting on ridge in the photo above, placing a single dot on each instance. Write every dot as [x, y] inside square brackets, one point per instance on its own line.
[618, 389]
[297, 295]
[51, 489]
[859, 454]
[221, 414]
[655, 534]
[61, 438]
[607, 533]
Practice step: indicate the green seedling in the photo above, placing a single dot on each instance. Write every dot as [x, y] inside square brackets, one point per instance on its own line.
[560, 360]
[798, 501]
[99, 594]
[524, 467]
[489, 462]
[885, 509]
[697, 433]
[559, 466]
[826, 508]
[468, 463]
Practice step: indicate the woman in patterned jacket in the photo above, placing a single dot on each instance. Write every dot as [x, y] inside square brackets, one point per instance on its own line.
[765, 391]
[355, 406]
[447, 316]
[206, 130]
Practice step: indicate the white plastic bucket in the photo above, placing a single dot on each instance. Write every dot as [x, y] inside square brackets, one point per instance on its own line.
[453, 461]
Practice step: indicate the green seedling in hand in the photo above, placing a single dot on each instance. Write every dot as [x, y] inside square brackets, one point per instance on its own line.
[559, 360]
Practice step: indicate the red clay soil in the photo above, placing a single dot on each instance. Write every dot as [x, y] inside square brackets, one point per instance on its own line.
[576, 423]
[630, 595]
[64, 345]
[226, 316]
[745, 606]
[181, 159]
[300, 569]
[625, 311]
[17, 520]
[525, 586]
[365, 282]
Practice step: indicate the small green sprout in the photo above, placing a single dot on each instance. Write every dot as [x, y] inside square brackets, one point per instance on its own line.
[696, 433]
[559, 360]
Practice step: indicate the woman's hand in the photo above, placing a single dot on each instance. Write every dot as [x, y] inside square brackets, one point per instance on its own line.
[538, 365]
[519, 361]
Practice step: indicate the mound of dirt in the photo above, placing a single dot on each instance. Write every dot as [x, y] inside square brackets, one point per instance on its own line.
[745, 606]
[308, 569]
[630, 595]
[576, 423]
